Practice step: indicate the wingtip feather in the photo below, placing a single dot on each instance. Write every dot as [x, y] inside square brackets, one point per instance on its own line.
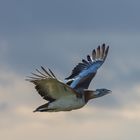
[98, 52]
[106, 52]
[94, 54]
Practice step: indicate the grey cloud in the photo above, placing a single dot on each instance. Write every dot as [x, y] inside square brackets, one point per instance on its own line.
[74, 14]
[58, 34]
[28, 51]
[3, 106]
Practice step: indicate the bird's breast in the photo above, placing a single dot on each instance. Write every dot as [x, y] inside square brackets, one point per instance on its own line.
[67, 103]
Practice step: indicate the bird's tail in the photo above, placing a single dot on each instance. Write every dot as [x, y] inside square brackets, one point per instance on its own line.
[42, 108]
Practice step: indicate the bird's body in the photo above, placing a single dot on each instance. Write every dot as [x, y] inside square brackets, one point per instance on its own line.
[73, 94]
[67, 103]
[62, 96]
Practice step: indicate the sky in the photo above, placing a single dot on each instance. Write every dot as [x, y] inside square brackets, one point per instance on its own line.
[58, 34]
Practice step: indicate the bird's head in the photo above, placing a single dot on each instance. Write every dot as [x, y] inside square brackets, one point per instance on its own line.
[102, 92]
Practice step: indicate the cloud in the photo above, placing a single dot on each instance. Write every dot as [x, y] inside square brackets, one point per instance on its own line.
[111, 122]
[77, 124]
[58, 34]
[91, 15]
[3, 106]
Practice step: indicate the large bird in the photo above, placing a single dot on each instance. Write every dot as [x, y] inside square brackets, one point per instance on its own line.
[74, 93]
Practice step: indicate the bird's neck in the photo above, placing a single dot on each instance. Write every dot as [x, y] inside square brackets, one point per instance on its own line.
[90, 95]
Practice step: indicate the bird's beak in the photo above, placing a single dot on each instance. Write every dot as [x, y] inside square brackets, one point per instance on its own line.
[109, 91]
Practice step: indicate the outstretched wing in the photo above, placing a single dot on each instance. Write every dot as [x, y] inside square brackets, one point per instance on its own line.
[48, 86]
[84, 72]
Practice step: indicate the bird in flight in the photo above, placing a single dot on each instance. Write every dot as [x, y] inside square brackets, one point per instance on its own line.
[74, 93]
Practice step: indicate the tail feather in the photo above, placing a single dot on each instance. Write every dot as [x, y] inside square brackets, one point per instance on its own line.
[42, 108]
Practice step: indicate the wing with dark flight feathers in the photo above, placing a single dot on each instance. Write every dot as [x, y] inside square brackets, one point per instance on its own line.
[85, 71]
[48, 86]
